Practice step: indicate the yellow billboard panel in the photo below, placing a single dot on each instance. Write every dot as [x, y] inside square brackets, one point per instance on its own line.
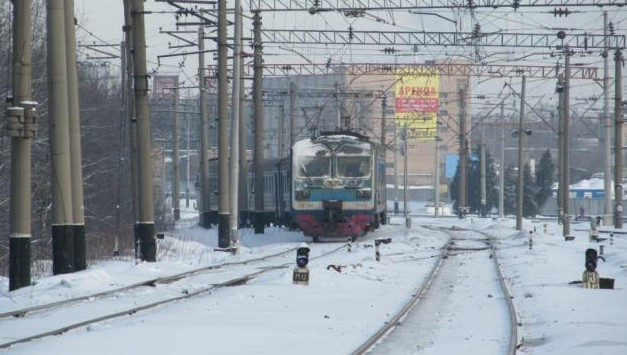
[417, 101]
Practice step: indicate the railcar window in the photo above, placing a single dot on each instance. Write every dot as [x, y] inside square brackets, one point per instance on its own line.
[351, 149]
[353, 166]
[314, 166]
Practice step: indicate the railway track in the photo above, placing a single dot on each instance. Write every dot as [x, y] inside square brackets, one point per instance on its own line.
[86, 310]
[430, 317]
[149, 282]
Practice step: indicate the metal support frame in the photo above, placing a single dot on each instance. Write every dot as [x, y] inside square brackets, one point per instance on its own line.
[316, 6]
[413, 38]
[448, 69]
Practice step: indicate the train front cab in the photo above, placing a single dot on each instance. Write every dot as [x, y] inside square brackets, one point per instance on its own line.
[333, 187]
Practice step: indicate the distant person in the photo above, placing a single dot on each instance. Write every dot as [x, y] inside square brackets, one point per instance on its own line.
[581, 212]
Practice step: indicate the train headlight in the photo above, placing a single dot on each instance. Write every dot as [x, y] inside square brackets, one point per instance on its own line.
[352, 183]
[364, 193]
[302, 194]
[332, 183]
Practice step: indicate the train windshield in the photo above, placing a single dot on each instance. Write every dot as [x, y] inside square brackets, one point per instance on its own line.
[317, 166]
[353, 166]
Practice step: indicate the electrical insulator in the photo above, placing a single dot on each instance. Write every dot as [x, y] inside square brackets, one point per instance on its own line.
[561, 12]
[477, 30]
[516, 4]
[612, 29]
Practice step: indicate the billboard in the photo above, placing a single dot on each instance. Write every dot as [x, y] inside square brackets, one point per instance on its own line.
[417, 102]
[164, 86]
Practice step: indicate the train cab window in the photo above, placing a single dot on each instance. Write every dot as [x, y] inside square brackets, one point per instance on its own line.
[351, 150]
[317, 166]
[353, 166]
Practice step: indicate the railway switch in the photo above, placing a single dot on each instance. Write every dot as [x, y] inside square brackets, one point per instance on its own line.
[530, 239]
[377, 242]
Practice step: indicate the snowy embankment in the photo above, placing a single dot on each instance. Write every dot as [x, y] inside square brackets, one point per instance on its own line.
[558, 317]
[339, 310]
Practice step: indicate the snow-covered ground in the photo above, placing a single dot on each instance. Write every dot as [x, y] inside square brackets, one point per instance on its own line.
[339, 310]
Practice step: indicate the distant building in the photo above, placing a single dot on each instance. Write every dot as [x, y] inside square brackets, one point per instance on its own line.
[428, 103]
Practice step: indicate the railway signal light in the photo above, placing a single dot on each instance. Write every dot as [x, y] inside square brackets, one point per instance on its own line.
[301, 272]
[591, 276]
[591, 260]
[302, 256]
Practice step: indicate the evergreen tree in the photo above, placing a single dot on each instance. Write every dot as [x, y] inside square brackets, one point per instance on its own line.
[473, 181]
[509, 195]
[454, 188]
[544, 179]
[530, 207]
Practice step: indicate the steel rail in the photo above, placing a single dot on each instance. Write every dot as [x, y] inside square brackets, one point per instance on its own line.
[149, 282]
[513, 341]
[240, 280]
[394, 321]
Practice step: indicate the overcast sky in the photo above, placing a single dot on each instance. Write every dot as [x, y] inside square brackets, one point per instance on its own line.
[102, 20]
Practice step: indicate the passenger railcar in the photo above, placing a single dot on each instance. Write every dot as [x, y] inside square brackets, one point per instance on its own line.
[338, 185]
[277, 187]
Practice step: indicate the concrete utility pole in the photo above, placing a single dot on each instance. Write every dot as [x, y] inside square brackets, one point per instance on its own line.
[292, 114]
[76, 166]
[405, 179]
[224, 239]
[126, 111]
[258, 214]
[607, 129]
[188, 161]
[62, 228]
[618, 140]
[566, 142]
[243, 151]
[234, 184]
[384, 106]
[130, 109]
[338, 104]
[436, 178]
[521, 163]
[205, 190]
[560, 154]
[396, 147]
[145, 225]
[463, 153]
[281, 133]
[21, 127]
[502, 165]
[176, 185]
[119, 170]
[484, 201]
